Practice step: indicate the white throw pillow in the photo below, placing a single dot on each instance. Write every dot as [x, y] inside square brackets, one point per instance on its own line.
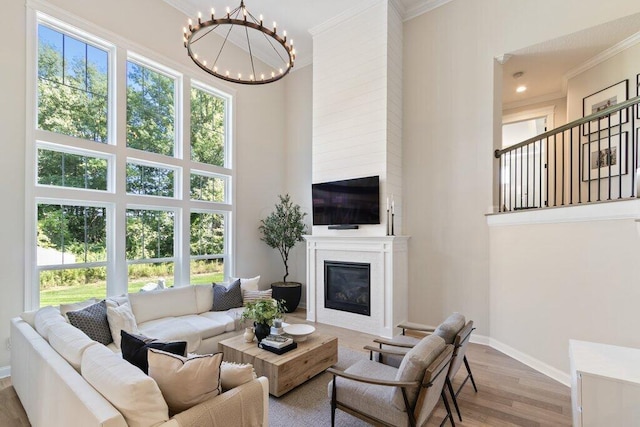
[185, 381]
[233, 375]
[249, 296]
[120, 318]
[250, 284]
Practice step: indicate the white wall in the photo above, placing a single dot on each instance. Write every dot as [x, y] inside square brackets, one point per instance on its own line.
[260, 137]
[450, 132]
[298, 157]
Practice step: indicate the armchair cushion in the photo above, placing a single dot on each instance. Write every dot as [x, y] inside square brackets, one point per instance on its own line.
[413, 366]
[450, 327]
[376, 404]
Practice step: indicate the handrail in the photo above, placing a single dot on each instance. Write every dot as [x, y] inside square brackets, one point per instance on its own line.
[614, 108]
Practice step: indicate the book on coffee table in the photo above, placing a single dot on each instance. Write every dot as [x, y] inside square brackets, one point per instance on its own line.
[277, 341]
[276, 350]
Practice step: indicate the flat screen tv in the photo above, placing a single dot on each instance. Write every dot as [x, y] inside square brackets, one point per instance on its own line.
[347, 202]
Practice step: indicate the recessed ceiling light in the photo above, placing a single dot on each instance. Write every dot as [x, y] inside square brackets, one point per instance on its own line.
[521, 89]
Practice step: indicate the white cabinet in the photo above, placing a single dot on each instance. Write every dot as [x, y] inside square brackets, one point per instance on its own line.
[605, 384]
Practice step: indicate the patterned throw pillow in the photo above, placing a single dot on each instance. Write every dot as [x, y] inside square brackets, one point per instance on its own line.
[249, 296]
[227, 298]
[135, 349]
[93, 321]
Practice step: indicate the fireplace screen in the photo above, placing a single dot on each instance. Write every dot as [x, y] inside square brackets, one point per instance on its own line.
[347, 286]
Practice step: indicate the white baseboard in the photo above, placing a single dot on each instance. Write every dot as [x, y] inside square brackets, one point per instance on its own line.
[481, 339]
[548, 370]
[5, 371]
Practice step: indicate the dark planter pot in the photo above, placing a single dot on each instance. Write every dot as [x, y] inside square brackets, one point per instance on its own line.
[290, 292]
[262, 330]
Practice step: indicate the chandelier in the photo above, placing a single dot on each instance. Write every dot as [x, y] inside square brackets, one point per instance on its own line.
[238, 26]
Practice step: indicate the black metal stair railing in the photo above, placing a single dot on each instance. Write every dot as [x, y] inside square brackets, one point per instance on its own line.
[589, 160]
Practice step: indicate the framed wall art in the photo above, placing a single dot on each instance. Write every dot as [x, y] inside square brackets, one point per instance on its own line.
[602, 100]
[605, 157]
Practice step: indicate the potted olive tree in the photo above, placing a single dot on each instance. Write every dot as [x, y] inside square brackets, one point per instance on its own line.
[281, 230]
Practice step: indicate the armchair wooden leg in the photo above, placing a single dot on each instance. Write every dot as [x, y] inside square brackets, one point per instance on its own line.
[453, 397]
[448, 408]
[466, 364]
[333, 403]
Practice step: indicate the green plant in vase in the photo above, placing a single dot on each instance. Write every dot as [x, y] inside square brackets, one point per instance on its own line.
[263, 312]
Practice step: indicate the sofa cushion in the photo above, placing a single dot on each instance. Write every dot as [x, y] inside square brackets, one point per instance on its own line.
[204, 297]
[133, 393]
[225, 298]
[185, 381]
[413, 366]
[172, 329]
[233, 375]
[120, 318]
[205, 326]
[92, 320]
[135, 349]
[448, 329]
[70, 342]
[170, 302]
[44, 318]
[224, 317]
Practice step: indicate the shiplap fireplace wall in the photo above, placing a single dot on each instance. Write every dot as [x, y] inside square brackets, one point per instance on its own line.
[357, 132]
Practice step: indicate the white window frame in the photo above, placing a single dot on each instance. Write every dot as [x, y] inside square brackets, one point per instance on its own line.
[115, 199]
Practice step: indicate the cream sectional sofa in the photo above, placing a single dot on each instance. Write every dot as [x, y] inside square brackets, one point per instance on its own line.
[63, 378]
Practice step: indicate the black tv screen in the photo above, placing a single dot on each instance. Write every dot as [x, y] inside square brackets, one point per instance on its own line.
[347, 202]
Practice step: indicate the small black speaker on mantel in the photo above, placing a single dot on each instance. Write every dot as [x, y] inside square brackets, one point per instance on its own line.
[344, 227]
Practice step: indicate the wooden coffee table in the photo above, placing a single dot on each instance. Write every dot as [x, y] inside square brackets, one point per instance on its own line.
[289, 370]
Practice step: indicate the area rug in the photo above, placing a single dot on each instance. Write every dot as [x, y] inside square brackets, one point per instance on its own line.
[309, 405]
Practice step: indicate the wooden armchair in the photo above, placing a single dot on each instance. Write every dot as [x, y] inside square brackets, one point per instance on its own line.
[392, 351]
[389, 396]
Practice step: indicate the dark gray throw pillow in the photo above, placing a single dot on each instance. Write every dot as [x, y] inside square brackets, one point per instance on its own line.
[93, 321]
[135, 349]
[226, 298]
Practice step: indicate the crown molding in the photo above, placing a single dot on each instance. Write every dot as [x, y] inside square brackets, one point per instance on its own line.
[299, 64]
[425, 7]
[338, 19]
[398, 7]
[600, 58]
[535, 100]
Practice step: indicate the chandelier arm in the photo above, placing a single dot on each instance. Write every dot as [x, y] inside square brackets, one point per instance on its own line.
[273, 47]
[222, 47]
[253, 68]
[205, 34]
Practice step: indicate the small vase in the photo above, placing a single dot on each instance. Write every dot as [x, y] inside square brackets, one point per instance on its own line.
[249, 334]
[262, 330]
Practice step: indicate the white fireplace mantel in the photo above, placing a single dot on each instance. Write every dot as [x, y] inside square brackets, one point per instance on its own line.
[388, 256]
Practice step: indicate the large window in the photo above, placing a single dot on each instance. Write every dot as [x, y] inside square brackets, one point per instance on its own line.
[126, 192]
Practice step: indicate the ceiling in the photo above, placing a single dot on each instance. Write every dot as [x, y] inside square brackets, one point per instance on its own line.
[297, 17]
[547, 65]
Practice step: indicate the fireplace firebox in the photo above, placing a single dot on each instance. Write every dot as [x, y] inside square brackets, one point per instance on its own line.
[347, 287]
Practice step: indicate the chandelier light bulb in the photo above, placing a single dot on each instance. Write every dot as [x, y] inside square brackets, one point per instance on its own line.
[251, 77]
[239, 76]
[273, 74]
[228, 11]
[215, 69]
[291, 42]
[227, 73]
[213, 12]
[204, 63]
[195, 55]
[184, 30]
[190, 23]
[280, 70]
[261, 20]
[199, 17]
[262, 76]
[274, 26]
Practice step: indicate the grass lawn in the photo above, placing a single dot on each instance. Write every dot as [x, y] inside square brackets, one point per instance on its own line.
[68, 294]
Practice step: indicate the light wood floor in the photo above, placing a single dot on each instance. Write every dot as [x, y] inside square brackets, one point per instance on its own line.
[509, 392]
